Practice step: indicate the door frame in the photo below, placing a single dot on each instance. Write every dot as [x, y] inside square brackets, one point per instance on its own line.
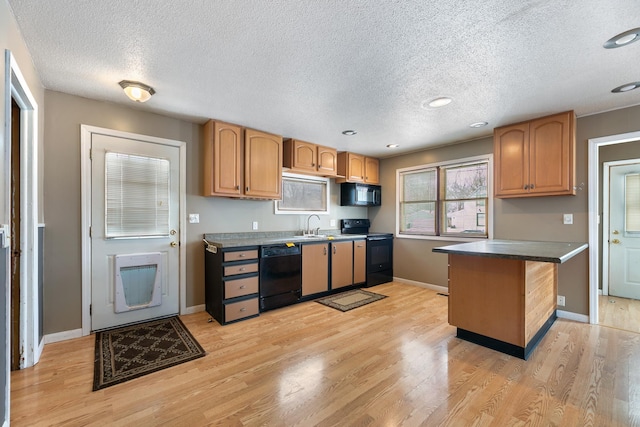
[594, 216]
[86, 131]
[16, 87]
[606, 176]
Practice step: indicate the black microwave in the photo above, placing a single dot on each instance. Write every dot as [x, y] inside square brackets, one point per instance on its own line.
[353, 194]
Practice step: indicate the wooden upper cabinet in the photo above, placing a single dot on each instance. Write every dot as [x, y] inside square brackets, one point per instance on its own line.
[358, 168]
[241, 162]
[309, 158]
[262, 165]
[536, 158]
[371, 170]
[223, 146]
[327, 161]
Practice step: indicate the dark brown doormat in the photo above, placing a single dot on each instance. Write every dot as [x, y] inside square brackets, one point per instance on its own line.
[136, 350]
[349, 300]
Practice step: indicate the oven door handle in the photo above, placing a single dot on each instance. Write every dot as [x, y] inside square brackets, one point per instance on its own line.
[377, 238]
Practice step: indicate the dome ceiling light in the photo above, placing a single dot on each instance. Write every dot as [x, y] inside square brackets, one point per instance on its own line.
[436, 102]
[478, 124]
[136, 91]
[623, 39]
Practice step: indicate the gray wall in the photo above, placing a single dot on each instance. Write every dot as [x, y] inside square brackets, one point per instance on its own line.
[62, 270]
[536, 218]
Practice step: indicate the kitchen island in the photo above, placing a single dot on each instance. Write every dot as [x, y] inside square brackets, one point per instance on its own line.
[502, 293]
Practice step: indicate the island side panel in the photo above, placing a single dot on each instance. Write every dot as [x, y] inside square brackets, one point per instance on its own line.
[486, 296]
[541, 290]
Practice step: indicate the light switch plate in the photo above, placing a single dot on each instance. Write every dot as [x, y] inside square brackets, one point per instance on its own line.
[254, 226]
[332, 223]
[194, 218]
[567, 219]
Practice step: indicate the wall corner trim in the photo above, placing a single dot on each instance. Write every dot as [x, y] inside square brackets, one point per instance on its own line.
[62, 336]
[569, 315]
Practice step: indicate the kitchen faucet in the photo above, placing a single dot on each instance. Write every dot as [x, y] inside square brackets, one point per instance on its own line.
[309, 232]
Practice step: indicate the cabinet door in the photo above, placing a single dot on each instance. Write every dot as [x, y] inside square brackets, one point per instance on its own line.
[222, 159]
[359, 261]
[355, 167]
[511, 157]
[304, 156]
[551, 155]
[371, 170]
[341, 264]
[327, 161]
[315, 268]
[262, 165]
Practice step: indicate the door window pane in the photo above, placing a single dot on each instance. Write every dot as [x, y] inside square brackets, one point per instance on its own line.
[632, 203]
[137, 196]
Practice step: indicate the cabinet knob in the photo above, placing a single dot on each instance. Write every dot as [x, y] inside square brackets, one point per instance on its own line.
[247, 189]
[532, 186]
[526, 187]
[325, 250]
[242, 269]
[334, 250]
[243, 287]
[237, 187]
[242, 255]
[243, 309]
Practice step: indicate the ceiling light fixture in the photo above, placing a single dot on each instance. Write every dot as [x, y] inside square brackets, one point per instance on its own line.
[623, 39]
[437, 102]
[478, 124]
[137, 91]
[392, 146]
[349, 132]
[626, 87]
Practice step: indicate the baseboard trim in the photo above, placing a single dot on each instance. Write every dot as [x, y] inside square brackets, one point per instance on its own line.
[436, 288]
[583, 318]
[194, 309]
[62, 336]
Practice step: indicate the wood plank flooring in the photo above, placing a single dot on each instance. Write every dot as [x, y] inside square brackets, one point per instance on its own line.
[620, 313]
[390, 363]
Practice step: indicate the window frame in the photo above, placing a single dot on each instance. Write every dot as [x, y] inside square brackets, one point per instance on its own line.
[440, 199]
[317, 179]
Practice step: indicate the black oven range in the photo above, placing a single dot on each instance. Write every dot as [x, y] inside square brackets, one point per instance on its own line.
[379, 250]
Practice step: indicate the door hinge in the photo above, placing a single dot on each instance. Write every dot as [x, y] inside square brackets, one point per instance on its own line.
[90, 153]
[90, 232]
[90, 309]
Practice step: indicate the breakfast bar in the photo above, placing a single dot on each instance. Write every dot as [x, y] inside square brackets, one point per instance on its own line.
[502, 293]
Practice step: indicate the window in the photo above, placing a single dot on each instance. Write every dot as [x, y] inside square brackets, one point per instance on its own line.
[303, 194]
[136, 196]
[448, 199]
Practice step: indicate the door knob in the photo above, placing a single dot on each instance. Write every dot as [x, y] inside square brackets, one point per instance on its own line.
[615, 241]
[173, 244]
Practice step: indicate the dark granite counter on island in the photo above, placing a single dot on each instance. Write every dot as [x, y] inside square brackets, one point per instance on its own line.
[502, 293]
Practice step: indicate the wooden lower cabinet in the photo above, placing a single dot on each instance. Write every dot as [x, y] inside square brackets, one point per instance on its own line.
[359, 261]
[341, 264]
[512, 301]
[231, 283]
[315, 268]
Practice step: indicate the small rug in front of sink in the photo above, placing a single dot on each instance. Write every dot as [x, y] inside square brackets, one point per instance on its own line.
[349, 300]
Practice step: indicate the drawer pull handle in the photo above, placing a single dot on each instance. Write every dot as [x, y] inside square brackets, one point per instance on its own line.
[242, 269]
[242, 255]
[243, 309]
[243, 287]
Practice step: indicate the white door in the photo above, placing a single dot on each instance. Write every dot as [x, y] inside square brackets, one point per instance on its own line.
[624, 230]
[134, 230]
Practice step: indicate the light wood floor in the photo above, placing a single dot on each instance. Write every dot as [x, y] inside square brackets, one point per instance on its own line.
[394, 362]
[620, 313]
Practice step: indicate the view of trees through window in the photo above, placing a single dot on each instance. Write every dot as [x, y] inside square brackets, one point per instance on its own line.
[444, 200]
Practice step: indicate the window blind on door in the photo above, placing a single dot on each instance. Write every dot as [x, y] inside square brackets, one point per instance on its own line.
[136, 196]
[632, 203]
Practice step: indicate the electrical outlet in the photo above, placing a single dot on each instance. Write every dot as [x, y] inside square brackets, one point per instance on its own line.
[194, 218]
[332, 223]
[561, 300]
[567, 219]
[254, 226]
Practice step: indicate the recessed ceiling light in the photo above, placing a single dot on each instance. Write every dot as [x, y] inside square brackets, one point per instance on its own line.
[623, 39]
[392, 146]
[437, 102]
[478, 124]
[349, 132]
[626, 87]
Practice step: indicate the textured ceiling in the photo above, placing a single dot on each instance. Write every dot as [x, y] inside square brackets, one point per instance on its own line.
[310, 69]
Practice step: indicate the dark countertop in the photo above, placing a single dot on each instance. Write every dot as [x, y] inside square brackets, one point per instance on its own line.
[238, 240]
[556, 252]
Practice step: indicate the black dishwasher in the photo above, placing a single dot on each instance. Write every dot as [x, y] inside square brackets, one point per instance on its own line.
[280, 275]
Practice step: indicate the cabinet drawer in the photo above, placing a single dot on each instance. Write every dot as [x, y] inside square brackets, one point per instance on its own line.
[238, 288]
[241, 309]
[240, 255]
[230, 270]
